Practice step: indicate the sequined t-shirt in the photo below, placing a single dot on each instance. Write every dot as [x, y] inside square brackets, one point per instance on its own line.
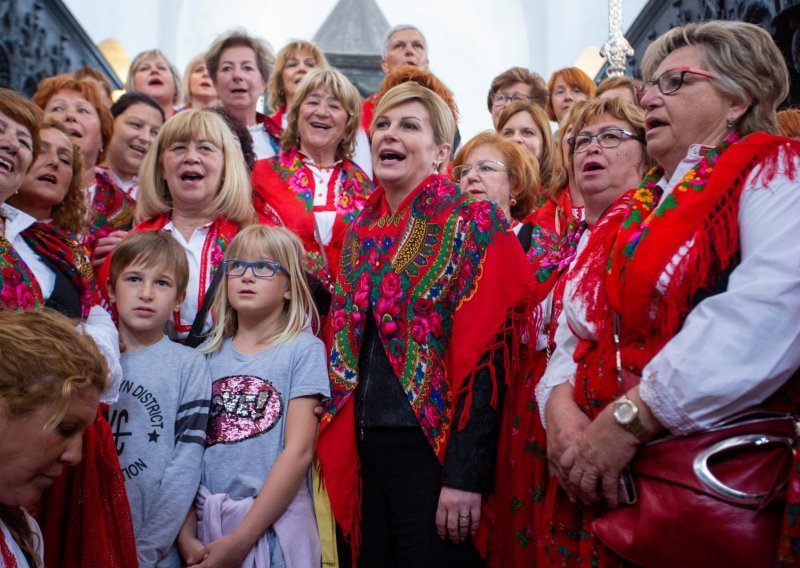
[249, 399]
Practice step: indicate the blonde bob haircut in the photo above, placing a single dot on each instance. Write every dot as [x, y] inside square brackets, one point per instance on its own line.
[130, 82]
[299, 312]
[548, 172]
[277, 93]
[747, 65]
[44, 359]
[234, 198]
[521, 166]
[441, 116]
[344, 91]
[618, 108]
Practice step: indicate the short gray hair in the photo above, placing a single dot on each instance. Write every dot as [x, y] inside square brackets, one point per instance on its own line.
[400, 28]
[745, 60]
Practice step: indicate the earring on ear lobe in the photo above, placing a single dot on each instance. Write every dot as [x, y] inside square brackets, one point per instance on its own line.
[512, 202]
[730, 124]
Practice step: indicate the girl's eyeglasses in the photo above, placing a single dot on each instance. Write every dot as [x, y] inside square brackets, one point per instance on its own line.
[261, 268]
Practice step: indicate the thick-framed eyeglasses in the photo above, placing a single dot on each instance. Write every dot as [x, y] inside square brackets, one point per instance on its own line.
[261, 268]
[609, 138]
[501, 99]
[670, 80]
[487, 167]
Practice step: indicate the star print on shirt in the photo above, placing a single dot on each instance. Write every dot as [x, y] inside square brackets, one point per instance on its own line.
[153, 436]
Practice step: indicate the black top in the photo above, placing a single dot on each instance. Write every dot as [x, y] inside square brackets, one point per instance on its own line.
[380, 402]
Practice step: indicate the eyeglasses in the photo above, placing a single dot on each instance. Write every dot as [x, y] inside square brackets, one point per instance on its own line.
[501, 99]
[670, 80]
[487, 167]
[610, 138]
[261, 268]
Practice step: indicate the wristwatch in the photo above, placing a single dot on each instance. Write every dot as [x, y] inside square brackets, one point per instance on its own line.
[626, 414]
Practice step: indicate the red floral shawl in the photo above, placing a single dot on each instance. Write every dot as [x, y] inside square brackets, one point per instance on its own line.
[444, 280]
[112, 209]
[19, 289]
[284, 186]
[63, 249]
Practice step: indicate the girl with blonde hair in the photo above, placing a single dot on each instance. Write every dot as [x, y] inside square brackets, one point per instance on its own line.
[268, 372]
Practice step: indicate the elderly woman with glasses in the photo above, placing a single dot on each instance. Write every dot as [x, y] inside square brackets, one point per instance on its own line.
[491, 168]
[702, 276]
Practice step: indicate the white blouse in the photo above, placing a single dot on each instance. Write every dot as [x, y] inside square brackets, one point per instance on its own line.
[736, 348]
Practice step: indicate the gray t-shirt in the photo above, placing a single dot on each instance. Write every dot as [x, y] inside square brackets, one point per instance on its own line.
[249, 396]
[159, 427]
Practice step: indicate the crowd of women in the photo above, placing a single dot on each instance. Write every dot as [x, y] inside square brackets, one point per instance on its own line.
[568, 349]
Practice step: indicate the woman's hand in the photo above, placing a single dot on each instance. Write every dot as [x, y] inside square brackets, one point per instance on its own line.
[225, 552]
[106, 245]
[566, 424]
[458, 514]
[603, 452]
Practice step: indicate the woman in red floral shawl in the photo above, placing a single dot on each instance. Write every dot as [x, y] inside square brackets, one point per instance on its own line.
[312, 184]
[195, 186]
[703, 276]
[425, 326]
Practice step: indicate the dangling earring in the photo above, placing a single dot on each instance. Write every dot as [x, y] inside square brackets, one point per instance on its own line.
[730, 124]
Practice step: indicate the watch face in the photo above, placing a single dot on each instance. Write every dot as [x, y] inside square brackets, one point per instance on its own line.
[625, 412]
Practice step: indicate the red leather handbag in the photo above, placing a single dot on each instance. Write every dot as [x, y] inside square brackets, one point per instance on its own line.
[714, 498]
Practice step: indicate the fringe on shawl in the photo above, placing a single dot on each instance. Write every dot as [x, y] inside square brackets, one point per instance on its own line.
[519, 330]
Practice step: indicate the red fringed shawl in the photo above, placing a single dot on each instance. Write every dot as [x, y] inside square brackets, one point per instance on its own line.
[284, 186]
[63, 249]
[446, 283]
[702, 210]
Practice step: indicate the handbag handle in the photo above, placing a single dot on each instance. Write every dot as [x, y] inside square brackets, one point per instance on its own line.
[704, 474]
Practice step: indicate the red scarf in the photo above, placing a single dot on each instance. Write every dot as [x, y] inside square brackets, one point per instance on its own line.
[219, 236]
[112, 209]
[368, 111]
[63, 249]
[283, 186]
[19, 289]
[446, 283]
